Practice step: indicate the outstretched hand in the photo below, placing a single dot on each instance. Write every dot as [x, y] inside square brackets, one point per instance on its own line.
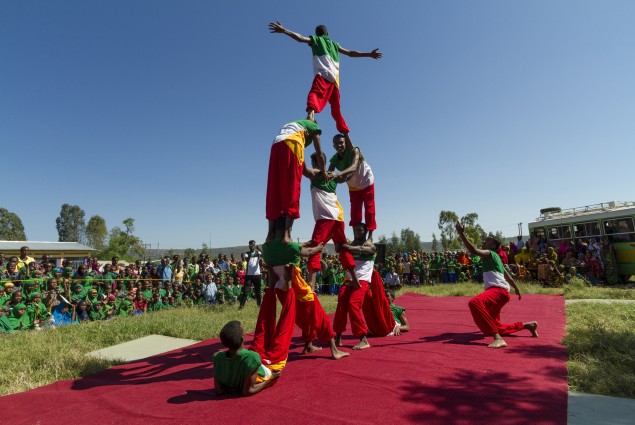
[376, 54]
[276, 27]
[459, 227]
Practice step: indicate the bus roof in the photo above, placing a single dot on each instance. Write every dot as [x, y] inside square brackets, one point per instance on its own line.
[587, 212]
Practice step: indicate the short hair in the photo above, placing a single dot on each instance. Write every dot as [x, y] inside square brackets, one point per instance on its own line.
[314, 158]
[231, 335]
[321, 30]
[339, 136]
[391, 292]
[497, 241]
[363, 224]
[252, 241]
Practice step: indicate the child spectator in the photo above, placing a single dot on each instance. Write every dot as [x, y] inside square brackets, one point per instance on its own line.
[238, 368]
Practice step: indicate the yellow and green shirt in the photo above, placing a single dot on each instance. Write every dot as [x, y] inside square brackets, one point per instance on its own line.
[298, 135]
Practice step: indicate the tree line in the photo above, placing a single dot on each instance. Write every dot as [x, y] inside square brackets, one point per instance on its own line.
[72, 227]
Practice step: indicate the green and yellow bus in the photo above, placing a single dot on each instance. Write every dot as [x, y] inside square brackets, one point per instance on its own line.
[616, 220]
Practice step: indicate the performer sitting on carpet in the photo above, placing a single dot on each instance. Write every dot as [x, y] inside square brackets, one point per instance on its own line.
[326, 68]
[355, 171]
[351, 297]
[486, 306]
[238, 368]
[286, 166]
[329, 222]
[398, 313]
[283, 261]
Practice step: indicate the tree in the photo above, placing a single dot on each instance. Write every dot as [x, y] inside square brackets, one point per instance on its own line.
[410, 241]
[11, 228]
[129, 223]
[124, 245]
[204, 249]
[96, 232]
[447, 220]
[70, 225]
[189, 253]
[473, 231]
[435, 243]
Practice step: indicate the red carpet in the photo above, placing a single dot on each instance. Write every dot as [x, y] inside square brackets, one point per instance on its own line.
[439, 373]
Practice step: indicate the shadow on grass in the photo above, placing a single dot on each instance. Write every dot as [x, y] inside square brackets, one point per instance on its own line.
[473, 397]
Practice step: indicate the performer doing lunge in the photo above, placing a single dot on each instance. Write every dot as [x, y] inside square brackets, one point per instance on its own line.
[486, 306]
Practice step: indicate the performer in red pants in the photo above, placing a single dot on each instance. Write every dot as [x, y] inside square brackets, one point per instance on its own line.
[286, 166]
[326, 69]
[351, 296]
[355, 171]
[329, 222]
[486, 307]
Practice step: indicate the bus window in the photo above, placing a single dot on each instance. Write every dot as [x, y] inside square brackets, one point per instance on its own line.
[579, 230]
[565, 232]
[539, 232]
[592, 228]
[620, 229]
[553, 233]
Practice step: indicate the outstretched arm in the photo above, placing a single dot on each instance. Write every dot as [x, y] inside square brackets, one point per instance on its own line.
[474, 251]
[359, 249]
[375, 53]
[306, 251]
[276, 27]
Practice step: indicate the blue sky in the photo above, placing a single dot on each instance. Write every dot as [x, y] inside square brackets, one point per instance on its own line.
[164, 111]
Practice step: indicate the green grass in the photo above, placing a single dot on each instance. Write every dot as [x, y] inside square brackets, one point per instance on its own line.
[600, 340]
[600, 344]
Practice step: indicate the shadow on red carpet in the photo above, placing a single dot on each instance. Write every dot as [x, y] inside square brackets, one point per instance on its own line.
[440, 373]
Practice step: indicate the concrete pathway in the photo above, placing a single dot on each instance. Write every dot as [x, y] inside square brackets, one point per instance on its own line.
[590, 409]
[142, 348]
[600, 301]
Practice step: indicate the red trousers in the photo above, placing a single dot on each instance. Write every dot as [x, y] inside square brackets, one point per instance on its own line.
[283, 183]
[324, 231]
[349, 302]
[312, 319]
[365, 198]
[486, 308]
[323, 91]
[376, 308]
[272, 341]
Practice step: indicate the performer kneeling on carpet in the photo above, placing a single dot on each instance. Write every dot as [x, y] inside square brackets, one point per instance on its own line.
[237, 368]
[486, 306]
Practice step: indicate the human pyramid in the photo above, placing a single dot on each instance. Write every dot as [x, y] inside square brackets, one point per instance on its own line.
[362, 298]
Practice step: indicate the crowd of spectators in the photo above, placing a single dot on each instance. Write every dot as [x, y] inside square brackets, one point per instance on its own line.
[37, 294]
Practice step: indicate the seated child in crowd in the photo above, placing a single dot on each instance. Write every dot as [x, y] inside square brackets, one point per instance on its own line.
[238, 368]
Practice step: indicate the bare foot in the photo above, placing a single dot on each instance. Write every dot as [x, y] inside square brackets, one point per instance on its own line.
[498, 343]
[533, 328]
[338, 340]
[338, 354]
[362, 344]
[310, 115]
[287, 239]
[310, 348]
